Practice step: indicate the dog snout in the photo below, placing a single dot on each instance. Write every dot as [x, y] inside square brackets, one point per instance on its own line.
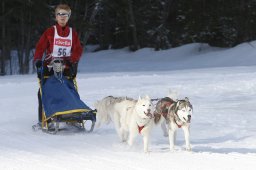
[149, 110]
[189, 118]
[148, 114]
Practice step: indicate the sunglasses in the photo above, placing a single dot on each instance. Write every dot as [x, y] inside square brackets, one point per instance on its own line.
[63, 14]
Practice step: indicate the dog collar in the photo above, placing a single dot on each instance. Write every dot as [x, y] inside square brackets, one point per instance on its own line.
[176, 121]
[179, 126]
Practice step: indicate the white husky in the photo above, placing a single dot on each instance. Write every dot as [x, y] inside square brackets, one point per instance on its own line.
[176, 114]
[130, 117]
[138, 120]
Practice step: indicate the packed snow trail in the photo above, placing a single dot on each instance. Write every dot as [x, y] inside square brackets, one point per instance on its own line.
[222, 128]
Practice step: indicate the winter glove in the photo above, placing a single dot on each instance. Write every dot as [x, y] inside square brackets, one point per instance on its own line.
[38, 63]
[68, 63]
[72, 68]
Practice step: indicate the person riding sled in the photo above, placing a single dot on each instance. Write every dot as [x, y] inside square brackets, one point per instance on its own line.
[61, 43]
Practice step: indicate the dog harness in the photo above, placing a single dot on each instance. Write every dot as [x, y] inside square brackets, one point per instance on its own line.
[163, 107]
[140, 128]
[165, 104]
[176, 118]
[145, 122]
[179, 126]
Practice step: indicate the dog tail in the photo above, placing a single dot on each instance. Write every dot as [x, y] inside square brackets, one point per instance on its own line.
[102, 115]
[173, 94]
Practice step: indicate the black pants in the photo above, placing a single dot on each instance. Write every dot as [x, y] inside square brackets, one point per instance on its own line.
[40, 107]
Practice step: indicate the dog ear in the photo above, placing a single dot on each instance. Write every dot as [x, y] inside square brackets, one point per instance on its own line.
[147, 97]
[178, 103]
[173, 94]
[186, 99]
[139, 97]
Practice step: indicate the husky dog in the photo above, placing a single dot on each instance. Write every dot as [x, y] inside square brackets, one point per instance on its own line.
[138, 120]
[174, 115]
[130, 117]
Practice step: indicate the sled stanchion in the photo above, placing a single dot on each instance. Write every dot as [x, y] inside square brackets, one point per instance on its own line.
[56, 127]
[91, 128]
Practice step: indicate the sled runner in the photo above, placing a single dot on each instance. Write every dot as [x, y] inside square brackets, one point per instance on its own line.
[61, 102]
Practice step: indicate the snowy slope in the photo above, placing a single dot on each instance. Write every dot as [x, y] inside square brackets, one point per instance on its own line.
[220, 83]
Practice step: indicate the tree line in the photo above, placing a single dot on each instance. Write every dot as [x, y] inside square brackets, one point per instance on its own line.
[159, 24]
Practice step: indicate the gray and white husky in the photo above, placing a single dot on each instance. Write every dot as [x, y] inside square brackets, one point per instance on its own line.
[174, 114]
[130, 117]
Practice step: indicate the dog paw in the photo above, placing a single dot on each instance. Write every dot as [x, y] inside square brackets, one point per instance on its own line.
[122, 141]
[172, 149]
[147, 152]
[188, 148]
[130, 143]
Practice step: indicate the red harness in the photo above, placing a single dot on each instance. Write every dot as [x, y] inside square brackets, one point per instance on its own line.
[140, 128]
[165, 108]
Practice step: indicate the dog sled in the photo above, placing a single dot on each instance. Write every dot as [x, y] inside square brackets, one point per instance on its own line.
[61, 103]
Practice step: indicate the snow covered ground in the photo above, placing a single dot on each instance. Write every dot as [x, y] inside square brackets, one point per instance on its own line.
[220, 83]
